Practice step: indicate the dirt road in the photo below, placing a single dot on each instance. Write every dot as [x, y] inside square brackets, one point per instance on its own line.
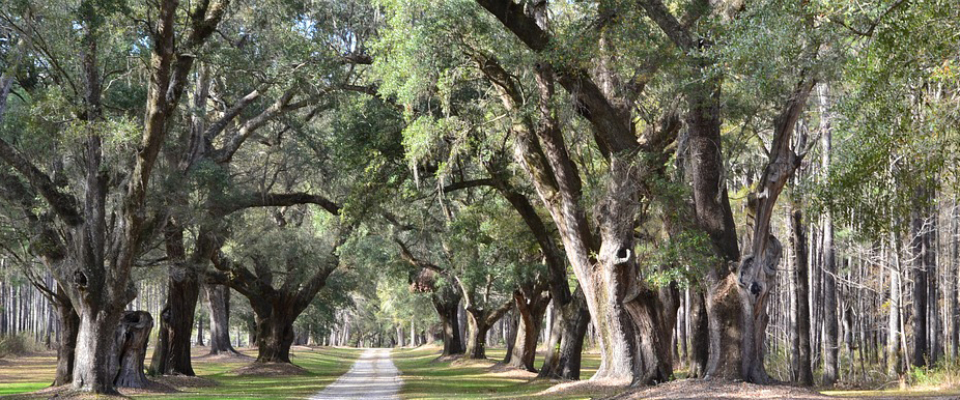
[373, 376]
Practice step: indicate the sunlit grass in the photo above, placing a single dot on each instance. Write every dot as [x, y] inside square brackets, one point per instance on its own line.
[426, 378]
[324, 365]
[20, 374]
[14, 388]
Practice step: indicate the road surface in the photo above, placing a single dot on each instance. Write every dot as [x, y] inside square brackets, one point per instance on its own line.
[373, 376]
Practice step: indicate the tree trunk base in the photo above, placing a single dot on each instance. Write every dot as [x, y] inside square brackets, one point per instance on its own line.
[132, 337]
[66, 351]
[725, 315]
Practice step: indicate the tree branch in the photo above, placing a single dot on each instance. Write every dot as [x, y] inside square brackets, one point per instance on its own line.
[276, 200]
[512, 16]
[873, 25]
[468, 184]
[279, 107]
[782, 163]
[668, 23]
[217, 127]
[612, 129]
[494, 316]
[416, 262]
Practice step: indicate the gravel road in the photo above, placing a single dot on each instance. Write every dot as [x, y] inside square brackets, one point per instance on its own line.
[373, 376]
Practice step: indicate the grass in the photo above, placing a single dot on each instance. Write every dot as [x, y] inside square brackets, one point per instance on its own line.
[20, 374]
[21, 387]
[324, 365]
[940, 381]
[426, 378]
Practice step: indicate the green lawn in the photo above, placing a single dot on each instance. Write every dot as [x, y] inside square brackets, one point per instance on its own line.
[324, 365]
[426, 378]
[21, 387]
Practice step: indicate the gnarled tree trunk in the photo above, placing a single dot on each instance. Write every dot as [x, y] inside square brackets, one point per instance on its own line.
[95, 366]
[699, 333]
[447, 307]
[66, 349]
[565, 345]
[715, 217]
[756, 274]
[531, 304]
[218, 305]
[132, 336]
[753, 273]
[480, 322]
[172, 354]
[477, 343]
[510, 327]
[274, 335]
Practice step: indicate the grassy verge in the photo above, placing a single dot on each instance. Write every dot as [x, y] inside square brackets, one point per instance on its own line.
[426, 378]
[324, 365]
[21, 374]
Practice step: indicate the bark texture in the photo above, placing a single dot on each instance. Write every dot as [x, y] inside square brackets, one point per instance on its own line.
[531, 305]
[172, 354]
[699, 333]
[66, 349]
[447, 306]
[218, 305]
[803, 365]
[565, 345]
[132, 336]
[480, 322]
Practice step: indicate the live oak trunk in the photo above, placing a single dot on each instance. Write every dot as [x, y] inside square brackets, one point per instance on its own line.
[447, 309]
[218, 305]
[736, 308]
[200, 332]
[715, 217]
[172, 354]
[480, 321]
[132, 336]
[66, 349]
[699, 333]
[569, 327]
[274, 336]
[510, 328]
[275, 309]
[565, 346]
[95, 366]
[530, 306]
[477, 343]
